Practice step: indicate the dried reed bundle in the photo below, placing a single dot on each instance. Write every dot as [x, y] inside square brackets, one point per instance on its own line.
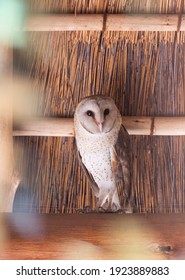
[109, 6]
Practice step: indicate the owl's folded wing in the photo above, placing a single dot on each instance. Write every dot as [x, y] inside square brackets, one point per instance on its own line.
[123, 161]
[90, 178]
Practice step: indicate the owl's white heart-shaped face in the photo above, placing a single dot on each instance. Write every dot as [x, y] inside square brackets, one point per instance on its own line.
[97, 114]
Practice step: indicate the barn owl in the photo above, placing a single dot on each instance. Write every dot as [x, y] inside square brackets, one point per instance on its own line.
[102, 144]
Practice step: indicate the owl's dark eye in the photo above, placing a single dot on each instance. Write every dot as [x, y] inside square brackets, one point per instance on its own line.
[90, 113]
[106, 112]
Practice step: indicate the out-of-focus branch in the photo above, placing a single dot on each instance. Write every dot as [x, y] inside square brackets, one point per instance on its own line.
[8, 178]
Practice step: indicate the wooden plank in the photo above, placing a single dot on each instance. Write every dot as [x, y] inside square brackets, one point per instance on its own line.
[93, 236]
[135, 125]
[97, 22]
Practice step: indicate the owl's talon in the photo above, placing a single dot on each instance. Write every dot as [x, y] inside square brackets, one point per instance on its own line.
[101, 209]
[82, 211]
[88, 208]
[108, 210]
[119, 211]
[79, 211]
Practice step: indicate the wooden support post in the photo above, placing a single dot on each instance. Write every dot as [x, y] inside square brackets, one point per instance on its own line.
[112, 22]
[8, 179]
[135, 126]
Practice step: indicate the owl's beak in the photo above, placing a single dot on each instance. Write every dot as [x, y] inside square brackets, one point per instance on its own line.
[100, 125]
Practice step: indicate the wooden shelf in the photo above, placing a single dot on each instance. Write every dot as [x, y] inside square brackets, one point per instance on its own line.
[92, 236]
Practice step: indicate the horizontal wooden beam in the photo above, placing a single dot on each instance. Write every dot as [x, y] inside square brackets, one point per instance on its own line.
[135, 126]
[45, 127]
[144, 22]
[110, 22]
[64, 22]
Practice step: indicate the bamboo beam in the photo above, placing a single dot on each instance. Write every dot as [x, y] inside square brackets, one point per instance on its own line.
[45, 127]
[110, 22]
[64, 22]
[182, 23]
[135, 126]
[140, 22]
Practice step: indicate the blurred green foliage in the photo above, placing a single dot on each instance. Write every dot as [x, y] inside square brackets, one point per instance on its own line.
[12, 15]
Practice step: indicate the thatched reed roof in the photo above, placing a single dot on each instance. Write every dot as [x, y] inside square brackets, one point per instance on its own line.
[108, 6]
[144, 73]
